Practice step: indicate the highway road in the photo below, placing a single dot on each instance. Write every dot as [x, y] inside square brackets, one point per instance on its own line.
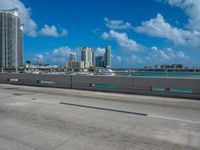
[36, 118]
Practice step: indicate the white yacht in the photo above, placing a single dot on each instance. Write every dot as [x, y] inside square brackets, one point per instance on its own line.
[107, 72]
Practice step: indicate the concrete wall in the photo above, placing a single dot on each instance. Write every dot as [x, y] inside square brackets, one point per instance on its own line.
[136, 85]
[103, 83]
[144, 86]
[60, 81]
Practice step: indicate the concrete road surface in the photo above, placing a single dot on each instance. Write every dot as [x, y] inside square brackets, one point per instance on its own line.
[35, 118]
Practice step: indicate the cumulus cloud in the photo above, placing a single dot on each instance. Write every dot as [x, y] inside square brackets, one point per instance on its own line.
[117, 24]
[64, 32]
[62, 51]
[39, 58]
[25, 14]
[100, 51]
[191, 8]
[152, 56]
[57, 56]
[167, 55]
[30, 26]
[118, 58]
[52, 31]
[158, 27]
[117, 61]
[144, 55]
[123, 40]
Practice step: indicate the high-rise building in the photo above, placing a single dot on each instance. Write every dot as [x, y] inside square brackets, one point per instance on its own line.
[72, 57]
[11, 39]
[20, 46]
[107, 57]
[99, 61]
[87, 55]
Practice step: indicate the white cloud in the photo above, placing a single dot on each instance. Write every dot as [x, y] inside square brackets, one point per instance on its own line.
[52, 31]
[134, 57]
[64, 32]
[25, 14]
[56, 56]
[123, 40]
[100, 51]
[39, 58]
[49, 31]
[117, 61]
[119, 58]
[62, 51]
[191, 8]
[117, 24]
[158, 27]
[30, 26]
[167, 55]
[153, 56]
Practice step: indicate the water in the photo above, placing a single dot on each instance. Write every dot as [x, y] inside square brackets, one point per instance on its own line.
[162, 74]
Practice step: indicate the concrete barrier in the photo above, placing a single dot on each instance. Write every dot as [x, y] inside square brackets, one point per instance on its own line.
[143, 83]
[103, 83]
[170, 87]
[59, 81]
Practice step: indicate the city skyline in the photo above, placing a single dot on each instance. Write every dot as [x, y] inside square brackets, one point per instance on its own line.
[88, 59]
[167, 32]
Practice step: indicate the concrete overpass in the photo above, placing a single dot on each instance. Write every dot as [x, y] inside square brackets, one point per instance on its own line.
[42, 118]
[157, 86]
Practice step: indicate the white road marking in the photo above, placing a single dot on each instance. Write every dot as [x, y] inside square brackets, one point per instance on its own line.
[17, 104]
[173, 119]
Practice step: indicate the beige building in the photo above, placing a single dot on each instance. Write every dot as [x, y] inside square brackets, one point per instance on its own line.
[75, 65]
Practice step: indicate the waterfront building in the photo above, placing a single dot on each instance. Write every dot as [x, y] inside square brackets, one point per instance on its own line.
[173, 66]
[157, 66]
[75, 65]
[178, 66]
[87, 56]
[99, 61]
[73, 57]
[107, 56]
[11, 39]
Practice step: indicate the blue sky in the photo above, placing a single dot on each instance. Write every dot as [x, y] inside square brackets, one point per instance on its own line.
[141, 32]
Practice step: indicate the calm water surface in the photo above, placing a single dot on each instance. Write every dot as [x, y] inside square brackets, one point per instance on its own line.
[163, 74]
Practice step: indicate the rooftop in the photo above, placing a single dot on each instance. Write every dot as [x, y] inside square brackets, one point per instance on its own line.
[11, 11]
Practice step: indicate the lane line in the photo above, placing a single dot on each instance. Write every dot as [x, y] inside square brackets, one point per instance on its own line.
[174, 119]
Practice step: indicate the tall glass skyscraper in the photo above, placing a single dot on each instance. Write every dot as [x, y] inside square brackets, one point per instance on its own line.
[11, 35]
[99, 61]
[107, 56]
[87, 55]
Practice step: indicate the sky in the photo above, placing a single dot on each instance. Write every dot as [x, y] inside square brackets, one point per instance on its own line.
[141, 32]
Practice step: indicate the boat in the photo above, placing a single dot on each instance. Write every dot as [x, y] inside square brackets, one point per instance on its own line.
[107, 72]
[84, 73]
